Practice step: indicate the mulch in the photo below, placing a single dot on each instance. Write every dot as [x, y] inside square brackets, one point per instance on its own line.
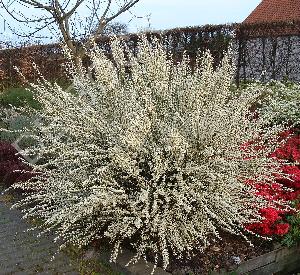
[220, 255]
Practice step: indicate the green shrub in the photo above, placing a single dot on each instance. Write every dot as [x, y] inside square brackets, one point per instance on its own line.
[292, 238]
[148, 152]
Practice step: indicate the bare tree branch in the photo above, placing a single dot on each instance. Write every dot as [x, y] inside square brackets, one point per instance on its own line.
[37, 5]
[70, 13]
[122, 10]
[62, 15]
[38, 29]
[25, 20]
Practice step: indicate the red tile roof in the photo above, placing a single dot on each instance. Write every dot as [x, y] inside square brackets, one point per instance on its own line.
[274, 11]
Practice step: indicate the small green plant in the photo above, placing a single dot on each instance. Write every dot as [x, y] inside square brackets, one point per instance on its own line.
[96, 267]
[91, 266]
[292, 238]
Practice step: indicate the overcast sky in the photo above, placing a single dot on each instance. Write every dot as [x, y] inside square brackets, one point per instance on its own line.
[166, 14]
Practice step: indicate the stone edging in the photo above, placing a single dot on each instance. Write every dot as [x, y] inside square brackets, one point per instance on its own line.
[280, 261]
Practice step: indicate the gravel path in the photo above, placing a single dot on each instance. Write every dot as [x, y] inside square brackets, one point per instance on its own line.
[22, 253]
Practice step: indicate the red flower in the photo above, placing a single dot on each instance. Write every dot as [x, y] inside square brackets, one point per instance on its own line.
[274, 219]
[270, 214]
[282, 228]
[290, 150]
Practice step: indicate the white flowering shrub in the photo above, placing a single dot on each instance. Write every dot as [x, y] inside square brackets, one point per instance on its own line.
[281, 103]
[148, 151]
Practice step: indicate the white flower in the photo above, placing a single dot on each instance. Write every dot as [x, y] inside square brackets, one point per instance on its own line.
[155, 157]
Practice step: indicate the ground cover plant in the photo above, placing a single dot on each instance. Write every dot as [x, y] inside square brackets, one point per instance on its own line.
[148, 151]
[281, 102]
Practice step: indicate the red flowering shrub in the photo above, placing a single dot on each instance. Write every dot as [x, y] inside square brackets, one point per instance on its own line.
[273, 223]
[12, 169]
[290, 150]
[274, 219]
[281, 228]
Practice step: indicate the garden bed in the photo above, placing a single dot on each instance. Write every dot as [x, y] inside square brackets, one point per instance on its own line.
[222, 255]
[220, 258]
[162, 169]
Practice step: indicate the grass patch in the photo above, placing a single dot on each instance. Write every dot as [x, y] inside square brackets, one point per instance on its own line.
[18, 97]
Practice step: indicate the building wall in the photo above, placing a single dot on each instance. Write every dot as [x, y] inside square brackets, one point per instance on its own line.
[267, 58]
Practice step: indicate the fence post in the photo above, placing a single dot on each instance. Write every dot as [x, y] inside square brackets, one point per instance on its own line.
[273, 57]
[241, 57]
[263, 58]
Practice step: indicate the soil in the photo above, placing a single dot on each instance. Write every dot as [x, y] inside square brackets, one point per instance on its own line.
[223, 255]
